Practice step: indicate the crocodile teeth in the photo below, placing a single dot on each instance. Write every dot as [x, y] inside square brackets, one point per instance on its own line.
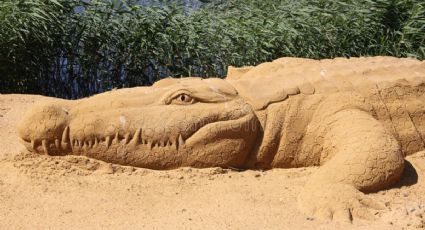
[33, 145]
[65, 139]
[181, 141]
[132, 139]
[64, 146]
[163, 143]
[116, 139]
[57, 144]
[108, 141]
[96, 142]
[136, 138]
[45, 148]
[127, 138]
[174, 143]
[85, 145]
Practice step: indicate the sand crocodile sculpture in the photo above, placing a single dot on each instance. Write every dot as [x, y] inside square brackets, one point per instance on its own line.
[355, 118]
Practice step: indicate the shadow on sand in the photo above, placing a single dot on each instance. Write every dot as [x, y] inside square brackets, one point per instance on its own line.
[409, 177]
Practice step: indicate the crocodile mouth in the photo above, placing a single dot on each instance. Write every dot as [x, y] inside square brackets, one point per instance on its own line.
[137, 140]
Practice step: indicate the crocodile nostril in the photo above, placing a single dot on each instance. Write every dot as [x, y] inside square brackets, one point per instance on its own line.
[65, 110]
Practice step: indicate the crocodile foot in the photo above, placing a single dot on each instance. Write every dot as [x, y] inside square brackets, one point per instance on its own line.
[339, 202]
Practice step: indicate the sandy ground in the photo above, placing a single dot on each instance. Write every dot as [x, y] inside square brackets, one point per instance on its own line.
[40, 192]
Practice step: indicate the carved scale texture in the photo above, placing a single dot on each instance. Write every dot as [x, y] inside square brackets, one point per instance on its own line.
[393, 87]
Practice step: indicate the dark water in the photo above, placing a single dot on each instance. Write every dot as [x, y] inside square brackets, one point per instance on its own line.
[65, 83]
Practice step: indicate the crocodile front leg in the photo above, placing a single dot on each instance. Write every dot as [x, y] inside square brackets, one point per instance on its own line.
[362, 157]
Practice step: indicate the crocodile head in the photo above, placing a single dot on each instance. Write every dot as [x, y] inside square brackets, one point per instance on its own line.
[176, 122]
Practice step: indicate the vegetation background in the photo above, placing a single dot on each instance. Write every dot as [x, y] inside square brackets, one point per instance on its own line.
[76, 48]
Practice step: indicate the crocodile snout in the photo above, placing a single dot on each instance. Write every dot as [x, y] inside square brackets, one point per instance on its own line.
[45, 128]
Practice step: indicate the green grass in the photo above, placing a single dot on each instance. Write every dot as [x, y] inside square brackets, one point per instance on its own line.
[118, 44]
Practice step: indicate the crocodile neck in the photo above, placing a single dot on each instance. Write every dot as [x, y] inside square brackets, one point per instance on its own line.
[283, 127]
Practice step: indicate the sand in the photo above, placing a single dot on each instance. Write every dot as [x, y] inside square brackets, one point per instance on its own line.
[41, 192]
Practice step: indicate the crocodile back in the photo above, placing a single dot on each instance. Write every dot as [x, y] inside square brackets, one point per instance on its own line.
[395, 87]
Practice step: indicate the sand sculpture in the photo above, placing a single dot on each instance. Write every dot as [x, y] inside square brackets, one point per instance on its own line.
[355, 118]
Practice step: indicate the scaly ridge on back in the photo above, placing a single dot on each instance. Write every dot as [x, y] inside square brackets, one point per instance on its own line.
[291, 76]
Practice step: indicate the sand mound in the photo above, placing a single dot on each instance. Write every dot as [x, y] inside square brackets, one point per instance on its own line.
[40, 192]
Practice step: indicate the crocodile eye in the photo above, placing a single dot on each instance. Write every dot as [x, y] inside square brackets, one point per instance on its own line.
[183, 99]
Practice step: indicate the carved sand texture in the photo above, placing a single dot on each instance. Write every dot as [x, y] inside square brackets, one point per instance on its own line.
[356, 118]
